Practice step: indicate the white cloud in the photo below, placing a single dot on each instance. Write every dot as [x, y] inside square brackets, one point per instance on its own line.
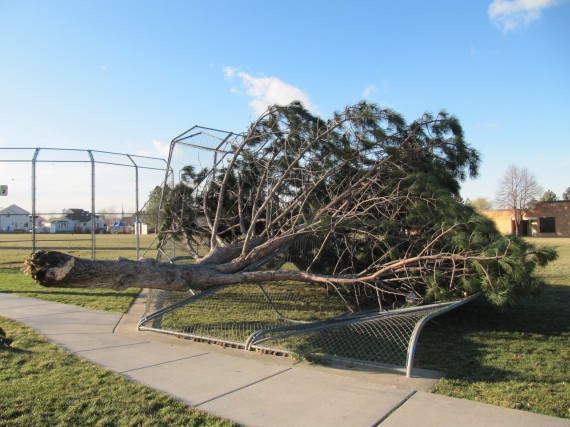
[267, 91]
[508, 15]
[229, 71]
[161, 148]
[369, 91]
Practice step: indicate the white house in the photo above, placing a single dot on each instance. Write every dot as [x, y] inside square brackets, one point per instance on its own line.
[75, 221]
[14, 219]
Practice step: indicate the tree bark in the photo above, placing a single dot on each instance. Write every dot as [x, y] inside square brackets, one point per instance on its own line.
[56, 269]
[59, 270]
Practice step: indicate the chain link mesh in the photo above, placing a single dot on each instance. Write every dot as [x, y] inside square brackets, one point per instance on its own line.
[382, 338]
[290, 318]
[234, 313]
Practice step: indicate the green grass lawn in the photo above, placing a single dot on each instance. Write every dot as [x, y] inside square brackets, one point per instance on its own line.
[516, 357]
[12, 280]
[15, 248]
[42, 385]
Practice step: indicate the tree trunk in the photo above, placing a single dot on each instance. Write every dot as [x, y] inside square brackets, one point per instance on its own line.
[59, 270]
[56, 269]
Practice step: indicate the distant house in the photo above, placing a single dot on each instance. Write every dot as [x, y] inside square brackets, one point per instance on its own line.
[119, 227]
[545, 219]
[14, 219]
[76, 221]
[127, 225]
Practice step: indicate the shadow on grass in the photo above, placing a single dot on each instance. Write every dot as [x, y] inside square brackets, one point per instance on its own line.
[13, 350]
[73, 293]
[63, 247]
[547, 314]
[481, 342]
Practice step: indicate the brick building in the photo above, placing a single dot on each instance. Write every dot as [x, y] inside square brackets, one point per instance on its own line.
[545, 219]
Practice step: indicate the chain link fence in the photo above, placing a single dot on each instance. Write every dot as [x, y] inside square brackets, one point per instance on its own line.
[64, 199]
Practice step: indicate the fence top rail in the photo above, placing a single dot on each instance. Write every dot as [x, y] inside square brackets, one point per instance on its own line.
[129, 155]
[93, 156]
[78, 150]
[199, 128]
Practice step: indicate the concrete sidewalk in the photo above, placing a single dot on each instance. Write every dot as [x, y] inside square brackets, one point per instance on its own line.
[252, 389]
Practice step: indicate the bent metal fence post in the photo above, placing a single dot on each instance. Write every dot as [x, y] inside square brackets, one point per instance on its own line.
[287, 318]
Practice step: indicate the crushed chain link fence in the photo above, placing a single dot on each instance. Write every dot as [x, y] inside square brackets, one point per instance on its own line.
[286, 318]
[293, 319]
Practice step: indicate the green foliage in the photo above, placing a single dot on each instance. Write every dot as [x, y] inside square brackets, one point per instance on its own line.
[152, 207]
[480, 203]
[566, 194]
[549, 196]
[353, 196]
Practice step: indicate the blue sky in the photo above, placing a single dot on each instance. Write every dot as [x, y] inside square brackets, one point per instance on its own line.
[129, 76]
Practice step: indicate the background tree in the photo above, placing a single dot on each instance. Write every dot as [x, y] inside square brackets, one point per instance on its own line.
[518, 189]
[566, 194]
[549, 196]
[363, 204]
[481, 203]
[151, 209]
[110, 214]
[180, 216]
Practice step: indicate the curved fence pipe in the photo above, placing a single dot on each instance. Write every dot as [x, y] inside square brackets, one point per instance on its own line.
[419, 326]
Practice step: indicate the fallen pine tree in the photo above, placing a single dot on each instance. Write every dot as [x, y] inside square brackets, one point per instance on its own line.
[363, 203]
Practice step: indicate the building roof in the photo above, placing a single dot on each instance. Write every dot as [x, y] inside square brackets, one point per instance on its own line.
[14, 210]
[78, 215]
[119, 224]
[553, 202]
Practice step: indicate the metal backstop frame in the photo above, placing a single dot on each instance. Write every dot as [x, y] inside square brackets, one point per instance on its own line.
[280, 319]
